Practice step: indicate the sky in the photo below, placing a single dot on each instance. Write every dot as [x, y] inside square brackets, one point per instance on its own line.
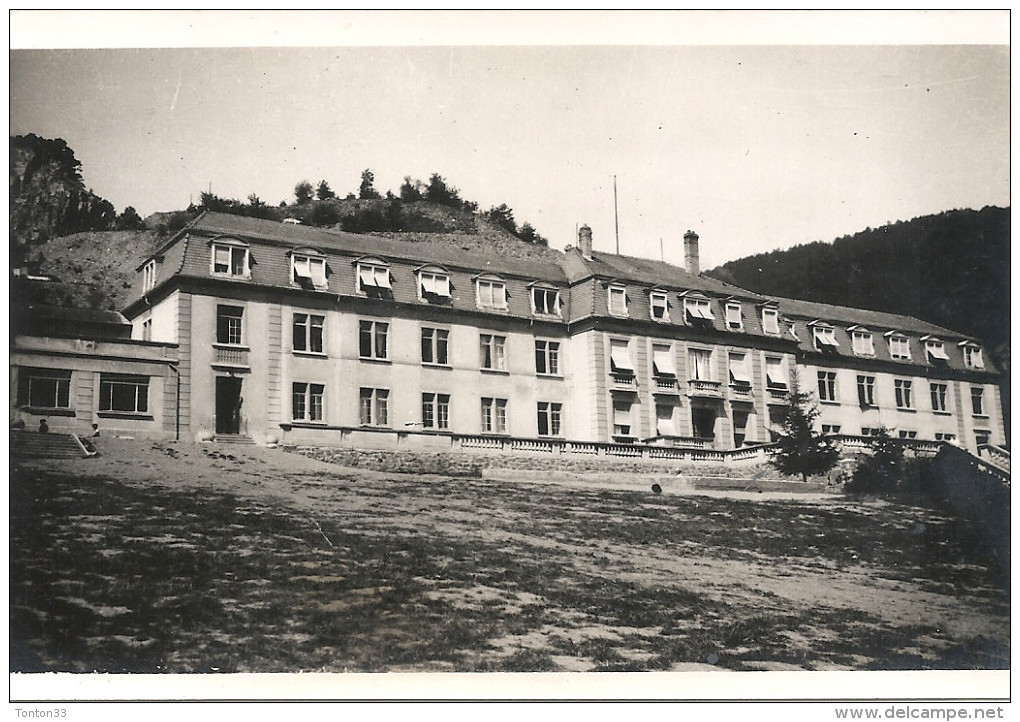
[756, 130]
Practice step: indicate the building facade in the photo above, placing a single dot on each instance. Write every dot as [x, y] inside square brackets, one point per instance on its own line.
[301, 335]
[81, 372]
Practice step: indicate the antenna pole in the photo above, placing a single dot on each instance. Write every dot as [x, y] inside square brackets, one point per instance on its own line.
[616, 216]
[662, 254]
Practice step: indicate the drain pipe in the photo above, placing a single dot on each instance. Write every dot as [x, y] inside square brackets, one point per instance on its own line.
[177, 404]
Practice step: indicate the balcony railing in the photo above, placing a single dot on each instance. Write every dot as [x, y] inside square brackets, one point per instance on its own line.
[704, 387]
[741, 392]
[624, 382]
[665, 385]
[230, 356]
[777, 396]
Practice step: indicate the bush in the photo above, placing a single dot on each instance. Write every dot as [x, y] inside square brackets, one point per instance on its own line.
[881, 472]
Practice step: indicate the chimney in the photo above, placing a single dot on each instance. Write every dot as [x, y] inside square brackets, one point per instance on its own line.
[584, 240]
[691, 261]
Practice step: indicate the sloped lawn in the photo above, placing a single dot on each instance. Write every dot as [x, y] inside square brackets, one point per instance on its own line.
[253, 567]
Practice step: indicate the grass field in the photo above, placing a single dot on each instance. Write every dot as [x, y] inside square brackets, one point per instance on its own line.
[186, 558]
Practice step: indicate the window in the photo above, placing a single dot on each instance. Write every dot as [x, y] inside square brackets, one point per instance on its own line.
[547, 357]
[230, 260]
[617, 300]
[977, 400]
[435, 411]
[619, 357]
[374, 279]
[228, 324]
[938, 396]
[374, 407]
[734, 316]
[493, 416]
[545, 301]
[700, 364]
[148, 276]
[903, 389]
[866, 390]
[147, 330]
[936, 352]
[775, 374]
[972, 357]
[870, 431]
[831, 428]
[44, 388]
[493, 352]
[698, 311]
[126, 394]
[435, 344]
[662, 361]
[308, 402]
[740, 374]
[825, 339]
[621, 418]
[770, 321]
[372, 339]
[491, 294]
[982, 437]
[863, 343]
[434, 287]
[826, 385]
[308, 332]
[905, 434]
[309, 271]
[942, 436]
[659, 304]
[899, 347]
[549, 414]
[665, 419]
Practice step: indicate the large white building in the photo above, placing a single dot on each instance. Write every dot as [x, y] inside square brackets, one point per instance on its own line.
[293, 334]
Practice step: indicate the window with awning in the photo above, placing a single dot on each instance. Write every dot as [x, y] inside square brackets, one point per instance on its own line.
[619, 356]
[372, 276]
[739, 373]
[662, 361]
[435, 284]
[775, 373]
[825, 338]
[698, 309]
[936, 351]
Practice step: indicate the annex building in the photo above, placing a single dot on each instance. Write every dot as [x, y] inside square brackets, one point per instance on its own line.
[297, 335]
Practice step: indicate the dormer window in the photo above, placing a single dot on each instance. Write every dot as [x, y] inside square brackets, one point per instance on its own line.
[972, 357]
[545, 301]
[899, 346]
[825, 339]
[770, 321]
[734, 316]
[935, 350]
[374, 278]
[698, 311]
[862, 341]
[230, 258]
[490, 293]
[308, 270]
[148, 276]
[617, 301]
[433, 285]
[658, 302]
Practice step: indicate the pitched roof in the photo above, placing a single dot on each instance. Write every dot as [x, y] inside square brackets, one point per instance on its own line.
[874, 320]
[647, 272]
[211, 223]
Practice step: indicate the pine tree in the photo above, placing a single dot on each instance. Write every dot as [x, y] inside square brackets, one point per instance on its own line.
[800, 449]
[881, 471]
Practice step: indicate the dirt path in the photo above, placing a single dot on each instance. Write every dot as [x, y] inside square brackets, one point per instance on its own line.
[472, 574]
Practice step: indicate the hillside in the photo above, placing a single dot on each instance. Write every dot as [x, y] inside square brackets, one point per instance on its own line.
[951, 269]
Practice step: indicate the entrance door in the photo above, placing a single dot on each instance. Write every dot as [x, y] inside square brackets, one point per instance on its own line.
[228, 405]
[703, 421]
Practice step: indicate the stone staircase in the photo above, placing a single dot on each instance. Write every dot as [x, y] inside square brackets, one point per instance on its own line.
[33, 445]
[233, 439]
